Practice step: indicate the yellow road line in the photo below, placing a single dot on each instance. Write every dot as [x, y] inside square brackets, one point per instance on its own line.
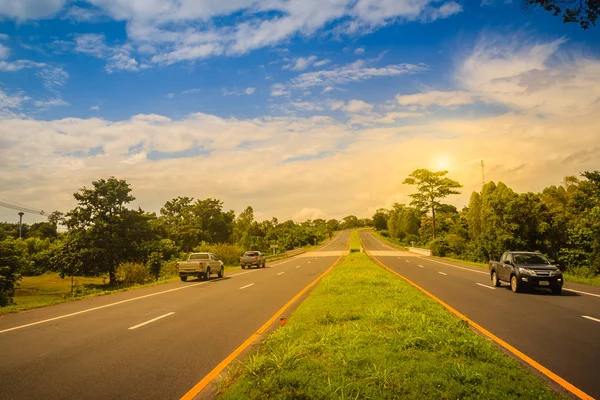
[193, 392]
[568, 386]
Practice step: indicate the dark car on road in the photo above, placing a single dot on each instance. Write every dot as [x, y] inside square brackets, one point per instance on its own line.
[525, 269]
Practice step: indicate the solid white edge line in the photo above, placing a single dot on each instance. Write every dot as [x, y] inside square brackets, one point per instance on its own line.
[406, 260]
[244, 287]
[443, 273]
[579, 291]
[298, 266]
[281, 273]
[485, 286]
[421, 266]
[101, 307]
[150, 321]
[592, 318]
[455, 266]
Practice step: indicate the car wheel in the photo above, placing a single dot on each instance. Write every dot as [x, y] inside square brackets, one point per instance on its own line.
[221, 272]
[556, 290]
[207, 275]
[183, 278]
[495, 280]
[243, 266]
[264, 264]
[514, 284]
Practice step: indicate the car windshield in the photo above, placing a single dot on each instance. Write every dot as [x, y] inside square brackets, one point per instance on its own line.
[530, 259]
[251, 254]
[201, 256]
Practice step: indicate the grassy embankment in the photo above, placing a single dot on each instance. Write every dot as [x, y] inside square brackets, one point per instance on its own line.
[364, 333]
[594, 281]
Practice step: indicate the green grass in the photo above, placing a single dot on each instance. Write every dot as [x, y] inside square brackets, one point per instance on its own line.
[355, 244]
[392, 241]
[595, 281]
[364, 333]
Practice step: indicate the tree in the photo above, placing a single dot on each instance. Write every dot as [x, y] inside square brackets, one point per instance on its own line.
[105, 232]
[380, 219]
[432, 187]
[13, 259]
[584, 12]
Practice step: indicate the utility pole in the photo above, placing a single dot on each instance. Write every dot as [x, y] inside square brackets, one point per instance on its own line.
[21, 213]
[482, 173]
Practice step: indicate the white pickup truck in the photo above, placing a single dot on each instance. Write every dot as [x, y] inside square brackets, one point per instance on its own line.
[200, 265]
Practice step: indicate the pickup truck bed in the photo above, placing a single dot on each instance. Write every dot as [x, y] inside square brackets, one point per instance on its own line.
[251, 258]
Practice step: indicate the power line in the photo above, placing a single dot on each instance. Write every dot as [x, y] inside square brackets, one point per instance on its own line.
[22, 208]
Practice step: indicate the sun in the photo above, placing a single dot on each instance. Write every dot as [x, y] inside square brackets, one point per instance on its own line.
[443, 163]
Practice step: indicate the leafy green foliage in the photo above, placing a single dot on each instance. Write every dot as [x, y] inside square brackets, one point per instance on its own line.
[12, 261]
[583, 12]
[431, 188]
[132, 273]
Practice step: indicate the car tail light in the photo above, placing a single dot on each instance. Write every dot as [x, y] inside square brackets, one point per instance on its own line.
[256, 258]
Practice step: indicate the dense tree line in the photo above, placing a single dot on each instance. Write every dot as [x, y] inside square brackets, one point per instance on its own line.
[104, 236]
[562, 222]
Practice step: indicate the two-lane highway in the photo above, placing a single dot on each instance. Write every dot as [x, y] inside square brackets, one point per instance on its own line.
[552, 330]
[152, 343]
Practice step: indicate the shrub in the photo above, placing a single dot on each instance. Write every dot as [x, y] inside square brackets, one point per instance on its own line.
[439, 247]
[229, 253]
[384, 233]
[168, 269]
[155, 262]
[131, 273]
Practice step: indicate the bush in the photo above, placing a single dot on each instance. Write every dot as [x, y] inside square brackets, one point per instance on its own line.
[131, 273]
[155, 262]
[229, 253]
[439, 247]
[13, 260]
[168, 270]
[384, 233]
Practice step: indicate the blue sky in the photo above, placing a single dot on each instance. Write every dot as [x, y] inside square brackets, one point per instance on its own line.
[136, 89]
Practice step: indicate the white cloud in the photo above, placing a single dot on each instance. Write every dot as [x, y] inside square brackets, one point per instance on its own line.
[322, 62]
[81, 14]
[250, 90]
[279, 89]
[306, 214]
[4, 52]
[95, 108]
[53, 77]
[359, 50]
[30, 9]
[529, 74]
[186, 30]
[170, 95]
[4, 36]
[327, 89]
[301, 63]
[118, 58]
[54, 102]
[12, 66]
[438, 98]
[190, 91]
[357, 106]
[11, 101]
[355, 72]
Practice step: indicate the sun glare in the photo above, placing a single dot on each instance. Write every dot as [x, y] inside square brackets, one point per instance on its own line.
[442, 163]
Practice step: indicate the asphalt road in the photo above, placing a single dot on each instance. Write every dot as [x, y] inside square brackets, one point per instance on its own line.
[550, 329]
[151, 343]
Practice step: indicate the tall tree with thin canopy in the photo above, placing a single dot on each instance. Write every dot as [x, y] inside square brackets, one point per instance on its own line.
[432, 187]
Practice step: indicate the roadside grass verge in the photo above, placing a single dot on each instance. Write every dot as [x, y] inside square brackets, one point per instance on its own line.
[363, 333]
[50, 289]
[392, 241]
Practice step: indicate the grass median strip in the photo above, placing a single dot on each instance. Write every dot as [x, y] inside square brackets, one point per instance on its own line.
[364, 333]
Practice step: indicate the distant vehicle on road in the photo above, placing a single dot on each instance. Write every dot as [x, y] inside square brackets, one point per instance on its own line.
[200, 265]
[525, 269]
[251, 258]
